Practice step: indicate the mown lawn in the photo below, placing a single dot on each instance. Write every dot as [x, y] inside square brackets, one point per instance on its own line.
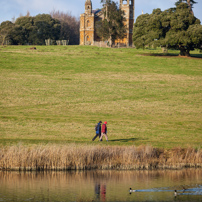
[56, 94]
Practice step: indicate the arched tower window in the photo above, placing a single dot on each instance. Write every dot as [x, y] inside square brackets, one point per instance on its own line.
[88, 6]
[125, 2]
[88, 23]
[131, 14]
[131, 2]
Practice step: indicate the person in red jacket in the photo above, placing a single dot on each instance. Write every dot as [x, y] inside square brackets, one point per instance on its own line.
[104, 131]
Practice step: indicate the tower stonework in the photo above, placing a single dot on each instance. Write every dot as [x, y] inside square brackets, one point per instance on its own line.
[87, 25]
[88, 19]
[128, 6]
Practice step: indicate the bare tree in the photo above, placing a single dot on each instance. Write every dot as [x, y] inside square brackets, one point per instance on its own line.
[69, 26]
[5, 29]
[28, 14]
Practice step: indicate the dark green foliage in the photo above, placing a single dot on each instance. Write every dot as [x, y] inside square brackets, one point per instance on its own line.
[175, 28]
[35, 30]
[112, 27]
[102, 29]
[47, 28]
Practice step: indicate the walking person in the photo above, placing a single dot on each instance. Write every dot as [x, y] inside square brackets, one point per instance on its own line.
[104, 131]
[97, 130]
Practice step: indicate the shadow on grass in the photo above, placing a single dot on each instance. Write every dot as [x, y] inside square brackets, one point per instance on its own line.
[10, 142]
[198, 56]
[124, 140]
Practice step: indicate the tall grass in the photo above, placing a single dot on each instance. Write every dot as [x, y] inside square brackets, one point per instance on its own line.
[83, 157]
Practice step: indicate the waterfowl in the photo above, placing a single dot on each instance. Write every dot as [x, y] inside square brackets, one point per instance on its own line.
[183, 189]
[131, 190]
[175, 192]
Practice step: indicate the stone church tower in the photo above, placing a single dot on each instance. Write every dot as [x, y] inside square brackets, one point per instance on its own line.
[88, 19]
[128, 7]
[87, 25]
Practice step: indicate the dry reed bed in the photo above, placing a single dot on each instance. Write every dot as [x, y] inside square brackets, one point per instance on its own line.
[80, 157]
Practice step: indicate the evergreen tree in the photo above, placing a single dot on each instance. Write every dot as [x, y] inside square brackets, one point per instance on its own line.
[112, 27]
[22, 30]
[174, 28]
[47, 28]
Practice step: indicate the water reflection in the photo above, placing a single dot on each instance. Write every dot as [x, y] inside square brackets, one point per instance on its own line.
[100, 192]
[102, 186]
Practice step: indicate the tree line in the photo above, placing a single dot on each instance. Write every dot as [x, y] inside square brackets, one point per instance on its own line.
[175, 28]
[35, 30]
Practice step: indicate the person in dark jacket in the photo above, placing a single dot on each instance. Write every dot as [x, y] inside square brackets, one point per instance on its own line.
[104, 131]
[98, 130]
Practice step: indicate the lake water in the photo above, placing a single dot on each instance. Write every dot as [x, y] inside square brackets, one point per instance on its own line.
[101, 186]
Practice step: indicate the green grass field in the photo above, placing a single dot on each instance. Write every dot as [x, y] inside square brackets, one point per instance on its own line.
[57, 94]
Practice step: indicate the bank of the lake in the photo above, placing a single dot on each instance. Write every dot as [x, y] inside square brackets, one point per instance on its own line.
[84, 157]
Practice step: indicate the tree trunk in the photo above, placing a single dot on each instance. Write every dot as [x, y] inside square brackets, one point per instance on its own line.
[4, 39]
[184, 52]
[110, 39]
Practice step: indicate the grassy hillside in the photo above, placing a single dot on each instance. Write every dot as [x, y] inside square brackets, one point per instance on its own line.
[56, 94]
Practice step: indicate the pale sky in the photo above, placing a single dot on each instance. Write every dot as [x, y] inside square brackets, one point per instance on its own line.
[15, 8]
